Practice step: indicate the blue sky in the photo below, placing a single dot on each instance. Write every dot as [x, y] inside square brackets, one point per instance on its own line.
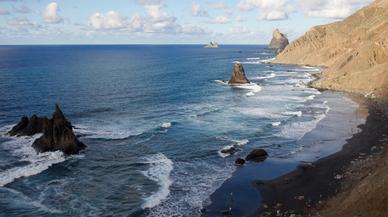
[163, 21]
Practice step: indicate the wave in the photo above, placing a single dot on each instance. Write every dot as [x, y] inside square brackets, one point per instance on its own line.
[251, 86]
[267, 60]
[159, 171]
[221, 82]
[296, 113]
[297, 130]
[21, 148]
[235, 144]
[254, 58]
[272, 75]
[276, 124]
[166, 125]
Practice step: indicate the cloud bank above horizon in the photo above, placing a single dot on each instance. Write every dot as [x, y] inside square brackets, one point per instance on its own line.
[163, 21]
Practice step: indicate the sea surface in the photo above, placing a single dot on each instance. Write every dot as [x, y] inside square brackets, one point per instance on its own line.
[154, 118]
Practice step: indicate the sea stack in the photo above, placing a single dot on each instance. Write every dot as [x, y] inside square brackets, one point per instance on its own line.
[57, 132]
[238, 75]
[279, 40]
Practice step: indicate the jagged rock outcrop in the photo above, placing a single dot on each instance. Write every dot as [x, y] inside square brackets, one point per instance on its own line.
[29, 127]
[279, 40]
[212, 44]
[57, 132]
[238, 75]
[355, 52]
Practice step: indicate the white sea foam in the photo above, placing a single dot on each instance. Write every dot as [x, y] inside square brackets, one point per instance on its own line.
[221, 82]
[195, 188]
[311, 97]
[272, 75]
[254, 58]
[235, 144]
[159, 171]
[296, 130]
[268, 60]
[296, 113]
[250, 94]
[251, 86]
[165, 125]
[21, 148]
[276, 124]
[104, 132]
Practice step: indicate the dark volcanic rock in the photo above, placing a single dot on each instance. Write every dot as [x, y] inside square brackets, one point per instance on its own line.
[57, 132]
[238, 75]
[279, 40]
[257, 155]
[239, 161]
[29, 127]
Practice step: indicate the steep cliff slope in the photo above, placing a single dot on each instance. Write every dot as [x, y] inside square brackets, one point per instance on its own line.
[355, 51]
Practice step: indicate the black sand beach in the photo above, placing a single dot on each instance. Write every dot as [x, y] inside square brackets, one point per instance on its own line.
[250, 189]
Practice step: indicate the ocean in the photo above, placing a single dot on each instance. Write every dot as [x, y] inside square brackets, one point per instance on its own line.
[155, 119]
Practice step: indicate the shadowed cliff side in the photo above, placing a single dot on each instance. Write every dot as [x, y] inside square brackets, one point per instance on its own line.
[355, 52]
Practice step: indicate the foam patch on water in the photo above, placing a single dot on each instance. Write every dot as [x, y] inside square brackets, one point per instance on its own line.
[104, 133]
[254, 88]
[235, 144]
[221, 82]
[194, 188]
[276, 124]
[166, 125]
[295, 113]
[159, 171]
[272, 75]
[21, 148]
[254, 58]
[296, 130]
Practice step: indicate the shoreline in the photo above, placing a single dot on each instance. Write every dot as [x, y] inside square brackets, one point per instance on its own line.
[247, 198]
[304, 191]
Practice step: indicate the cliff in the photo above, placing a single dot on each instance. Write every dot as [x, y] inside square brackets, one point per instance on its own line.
[355, 52]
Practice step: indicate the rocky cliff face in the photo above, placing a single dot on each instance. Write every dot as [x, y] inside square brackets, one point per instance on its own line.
[355, 51]
[238, 75]
[279, 40]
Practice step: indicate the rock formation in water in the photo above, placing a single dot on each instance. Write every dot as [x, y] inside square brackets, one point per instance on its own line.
[257, 155]
[238, 75]
[212, 44]
[355, 52]
[57, 132]
[279, 40]
[29, 127]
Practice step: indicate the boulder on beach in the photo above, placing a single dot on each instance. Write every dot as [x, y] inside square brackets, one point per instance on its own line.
[257, 155]
[57, 132]
[238, 75]
[279, 40]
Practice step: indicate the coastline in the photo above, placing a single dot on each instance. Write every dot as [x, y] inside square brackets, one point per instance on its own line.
[305, 190]
[241, 189]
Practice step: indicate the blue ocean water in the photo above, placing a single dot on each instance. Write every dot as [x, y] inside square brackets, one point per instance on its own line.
[154, 118]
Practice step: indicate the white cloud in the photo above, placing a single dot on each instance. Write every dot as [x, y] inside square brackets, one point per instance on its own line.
[239, 29]
[331, 8]
[50, 13]
[220, 20]
[197, 11]
[109, 20]
[267, 9]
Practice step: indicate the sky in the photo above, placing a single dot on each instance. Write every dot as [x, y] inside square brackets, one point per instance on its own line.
[164, 21]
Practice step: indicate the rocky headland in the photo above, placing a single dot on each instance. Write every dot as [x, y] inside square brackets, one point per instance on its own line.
[279, 41]
[354, 56]
[57, 133]
[354, 52]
